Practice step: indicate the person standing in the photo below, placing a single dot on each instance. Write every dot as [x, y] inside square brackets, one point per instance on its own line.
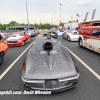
[0, 38]
[68, 28]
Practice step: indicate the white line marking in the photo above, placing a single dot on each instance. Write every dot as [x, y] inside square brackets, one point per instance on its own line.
[91, 70]
[5, 72]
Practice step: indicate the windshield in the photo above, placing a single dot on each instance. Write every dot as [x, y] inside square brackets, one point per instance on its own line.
[74, 32]
[96, 33]
[16, 35]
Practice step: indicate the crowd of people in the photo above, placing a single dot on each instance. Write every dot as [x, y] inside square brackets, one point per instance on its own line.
[3, 35]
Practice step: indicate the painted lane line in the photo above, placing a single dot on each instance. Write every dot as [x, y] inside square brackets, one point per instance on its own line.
[5, 72]
[91, 70]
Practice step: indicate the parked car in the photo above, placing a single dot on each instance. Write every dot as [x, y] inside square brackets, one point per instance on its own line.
[32, 33]
[18, 39]
[3, 50]
[59, 32]
[71, 35]
[49, 66]
[89, 37]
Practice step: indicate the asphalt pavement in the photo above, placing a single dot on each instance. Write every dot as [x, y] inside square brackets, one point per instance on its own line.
[88, 87]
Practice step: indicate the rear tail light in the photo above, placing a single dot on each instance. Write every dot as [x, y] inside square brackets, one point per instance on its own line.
[24, 82]
[24, 65]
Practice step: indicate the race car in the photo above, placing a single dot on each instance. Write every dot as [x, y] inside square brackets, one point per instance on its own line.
[71, 35]
[49, 66]
[3, 50]
[18, 39]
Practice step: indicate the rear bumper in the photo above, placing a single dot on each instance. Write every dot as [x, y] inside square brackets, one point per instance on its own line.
[53, 90]
[33, 34]
[74, 39]
[53, 85]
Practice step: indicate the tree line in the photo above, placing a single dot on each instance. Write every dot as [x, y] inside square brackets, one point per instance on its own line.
[40, 26]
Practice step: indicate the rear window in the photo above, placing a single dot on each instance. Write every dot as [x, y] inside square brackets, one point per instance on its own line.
[96, 33]
[74, 32]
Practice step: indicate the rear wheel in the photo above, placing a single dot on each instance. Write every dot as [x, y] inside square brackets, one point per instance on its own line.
[1, 58]
[67, 37]
[80, 42]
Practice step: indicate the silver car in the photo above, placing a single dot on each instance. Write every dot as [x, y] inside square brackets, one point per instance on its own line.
[32, 33]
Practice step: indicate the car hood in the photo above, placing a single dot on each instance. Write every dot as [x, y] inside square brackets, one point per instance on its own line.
[14, 38]
[41, 66]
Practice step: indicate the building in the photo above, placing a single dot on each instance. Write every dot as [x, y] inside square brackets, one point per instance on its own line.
[19, 27]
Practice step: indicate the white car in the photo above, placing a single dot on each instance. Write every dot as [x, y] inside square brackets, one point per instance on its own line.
[58, 32]
[71, 35]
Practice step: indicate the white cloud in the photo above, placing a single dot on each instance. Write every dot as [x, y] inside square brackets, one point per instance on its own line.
[85, 2]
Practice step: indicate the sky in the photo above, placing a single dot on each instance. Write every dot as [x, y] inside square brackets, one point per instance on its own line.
[47, 11]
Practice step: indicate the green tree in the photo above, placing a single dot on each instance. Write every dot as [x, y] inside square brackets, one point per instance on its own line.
[13, 23]
[61, 24]
[2, 27]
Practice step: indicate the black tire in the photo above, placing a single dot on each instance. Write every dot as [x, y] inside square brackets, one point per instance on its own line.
[1, 58]
[80, 42]
[67, 37]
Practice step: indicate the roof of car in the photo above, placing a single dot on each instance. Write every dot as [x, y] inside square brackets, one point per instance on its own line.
[92, 27]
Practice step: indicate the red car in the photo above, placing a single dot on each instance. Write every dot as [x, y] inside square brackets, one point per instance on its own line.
[18, 39]
[3, 50]
[89, 37]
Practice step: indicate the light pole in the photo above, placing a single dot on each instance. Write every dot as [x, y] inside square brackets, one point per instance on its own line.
[34, 21]
[52, 22]
[46, 23]
[63, 20]
[40, 23]
[54, 18]
[57, 21]
[60, 12]
[27, 15]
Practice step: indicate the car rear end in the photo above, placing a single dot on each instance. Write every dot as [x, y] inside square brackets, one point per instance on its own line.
[54, 85]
